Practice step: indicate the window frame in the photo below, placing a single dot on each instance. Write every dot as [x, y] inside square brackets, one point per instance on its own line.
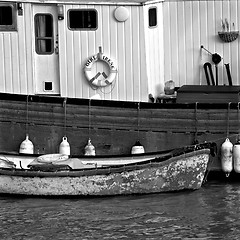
[44, 38]
[81, 9]
[13, 26]
[153, 26]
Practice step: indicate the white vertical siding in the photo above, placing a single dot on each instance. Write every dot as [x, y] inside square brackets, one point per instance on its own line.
[16, 65]
[2, 61]
[145, 57]
[190, 24]
[154, 54]
[123, 42]
[28, 83]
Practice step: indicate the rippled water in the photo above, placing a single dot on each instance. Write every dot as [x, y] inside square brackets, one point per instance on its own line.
[212, 212]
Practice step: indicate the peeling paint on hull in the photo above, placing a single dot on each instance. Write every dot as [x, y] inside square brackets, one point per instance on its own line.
[178, 173]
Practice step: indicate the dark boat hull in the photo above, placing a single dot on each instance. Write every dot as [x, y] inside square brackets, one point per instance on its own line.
[113, 126]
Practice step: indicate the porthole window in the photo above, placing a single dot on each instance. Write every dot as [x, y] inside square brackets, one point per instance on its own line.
[82, 19]
[152, 17]
[8, 17]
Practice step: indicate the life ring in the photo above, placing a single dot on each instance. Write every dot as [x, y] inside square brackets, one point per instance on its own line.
[93, 79]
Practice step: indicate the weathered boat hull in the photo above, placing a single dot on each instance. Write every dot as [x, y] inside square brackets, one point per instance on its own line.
[177, 173]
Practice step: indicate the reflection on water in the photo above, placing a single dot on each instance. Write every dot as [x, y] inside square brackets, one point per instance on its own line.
[212, 212]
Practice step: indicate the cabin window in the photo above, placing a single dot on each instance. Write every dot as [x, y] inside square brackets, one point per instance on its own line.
[152, 17]
[8, 17]
[82, 19]
[44, 33]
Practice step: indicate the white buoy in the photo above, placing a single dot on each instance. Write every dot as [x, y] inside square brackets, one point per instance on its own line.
[64, 147]
[26, 146]
[236, 156]
[137, 148]
[227, 157]
[89, 149]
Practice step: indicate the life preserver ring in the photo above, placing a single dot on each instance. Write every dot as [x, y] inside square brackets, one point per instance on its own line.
[93, 79]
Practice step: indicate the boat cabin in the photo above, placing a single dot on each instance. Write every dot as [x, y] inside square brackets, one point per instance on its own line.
[82, 49]
[115, 50]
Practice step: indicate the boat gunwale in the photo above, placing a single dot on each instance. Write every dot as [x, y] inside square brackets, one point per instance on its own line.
[153, 163]
[112, 103]
[171, 152]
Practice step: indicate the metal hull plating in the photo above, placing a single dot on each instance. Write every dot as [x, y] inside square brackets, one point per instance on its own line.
[177, 173]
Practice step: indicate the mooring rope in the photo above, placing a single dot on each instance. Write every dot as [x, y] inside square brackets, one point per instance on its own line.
[89, 118]
[65, 116]
[27, 118]
[228, 118]
[138, 110]
[238, 121]
[196, 123]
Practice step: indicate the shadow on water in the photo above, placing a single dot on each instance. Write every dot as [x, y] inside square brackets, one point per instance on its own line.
[212, 212]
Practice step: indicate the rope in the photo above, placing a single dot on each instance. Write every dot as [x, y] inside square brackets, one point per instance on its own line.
[224, 138]
[196, 123]
[138, 110]
[238, 121]
[111, 90]
[65, 116]
[27, 127]
[208, 170]
[89, 118]
[228, 119]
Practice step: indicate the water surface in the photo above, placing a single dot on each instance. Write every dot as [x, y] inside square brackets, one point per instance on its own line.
[213, 212]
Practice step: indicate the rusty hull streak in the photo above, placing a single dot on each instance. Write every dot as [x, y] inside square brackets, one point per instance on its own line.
[186, 173]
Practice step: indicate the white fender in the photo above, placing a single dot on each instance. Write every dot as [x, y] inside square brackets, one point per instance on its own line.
[89, 149]
[227, 157]
[64, 147]
[236, 157]
[26, 146]
[137, 148]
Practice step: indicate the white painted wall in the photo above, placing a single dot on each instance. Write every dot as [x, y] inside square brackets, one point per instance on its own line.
[121, 41]
[154, 51]
[187, 24]
[134, 47]
[16, 62]
[190, 24]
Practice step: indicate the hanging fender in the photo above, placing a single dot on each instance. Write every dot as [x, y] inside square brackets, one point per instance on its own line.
[227, 157]
[236, 157]
[93, 79]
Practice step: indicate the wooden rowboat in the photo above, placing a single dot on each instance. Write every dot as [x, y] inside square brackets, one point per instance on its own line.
[175, 170]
